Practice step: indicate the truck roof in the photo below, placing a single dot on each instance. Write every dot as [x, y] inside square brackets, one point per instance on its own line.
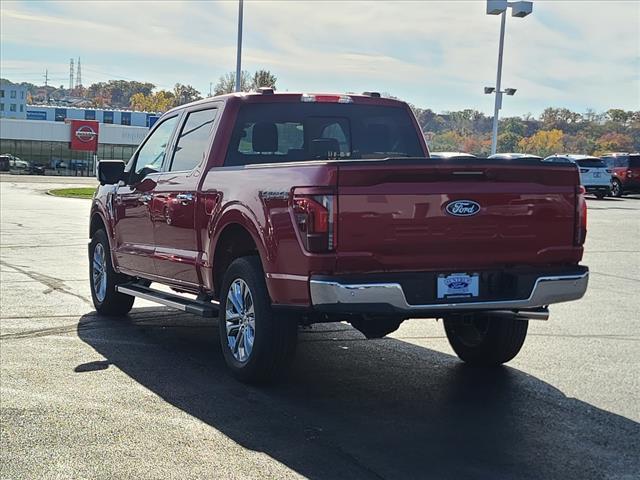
[270, 96]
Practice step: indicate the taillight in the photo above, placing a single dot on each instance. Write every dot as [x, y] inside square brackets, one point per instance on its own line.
[315, 216]
[584, 170]
[581, 217]
[608, 171]
[629, 173]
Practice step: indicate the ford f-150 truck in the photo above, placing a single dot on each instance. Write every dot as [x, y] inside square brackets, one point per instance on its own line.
[275, 210]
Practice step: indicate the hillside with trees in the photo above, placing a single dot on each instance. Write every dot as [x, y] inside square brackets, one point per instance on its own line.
[556, 130]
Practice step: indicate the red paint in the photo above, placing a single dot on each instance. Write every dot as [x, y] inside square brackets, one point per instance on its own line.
[390, 215]
[84, 135]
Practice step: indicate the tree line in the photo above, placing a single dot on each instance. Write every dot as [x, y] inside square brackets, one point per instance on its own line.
[555, 130]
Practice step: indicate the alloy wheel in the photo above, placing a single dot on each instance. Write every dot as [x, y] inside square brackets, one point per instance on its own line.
[99, 272]
[240, 320]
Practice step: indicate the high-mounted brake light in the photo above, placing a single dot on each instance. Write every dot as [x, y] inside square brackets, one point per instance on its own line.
[580, 230]
[312, 98]
[315, 217]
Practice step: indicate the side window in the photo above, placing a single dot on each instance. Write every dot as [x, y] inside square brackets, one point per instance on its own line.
[193, 142]
[622, 161]
[152, 153]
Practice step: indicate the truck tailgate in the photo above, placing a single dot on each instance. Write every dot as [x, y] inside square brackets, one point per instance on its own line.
[400, 215]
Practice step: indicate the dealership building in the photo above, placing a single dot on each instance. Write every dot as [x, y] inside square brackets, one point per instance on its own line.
[49, 144]
[44, 134]
[60, 113]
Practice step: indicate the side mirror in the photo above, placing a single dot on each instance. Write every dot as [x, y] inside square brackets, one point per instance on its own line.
[110, 171]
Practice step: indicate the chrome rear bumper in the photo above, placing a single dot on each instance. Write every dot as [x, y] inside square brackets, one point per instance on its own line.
[336, 296]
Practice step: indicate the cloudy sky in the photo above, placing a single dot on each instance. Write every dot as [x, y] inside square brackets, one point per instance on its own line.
[575, 54]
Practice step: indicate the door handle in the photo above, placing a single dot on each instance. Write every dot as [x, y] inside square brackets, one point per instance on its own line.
[146, 198]
[185, 198]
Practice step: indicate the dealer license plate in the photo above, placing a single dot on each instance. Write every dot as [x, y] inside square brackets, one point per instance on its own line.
[458, 285]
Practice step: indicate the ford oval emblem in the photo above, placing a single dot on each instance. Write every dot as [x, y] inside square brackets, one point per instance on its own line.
[462, 208]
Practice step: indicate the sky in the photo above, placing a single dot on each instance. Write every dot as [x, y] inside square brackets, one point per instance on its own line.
[434, 54]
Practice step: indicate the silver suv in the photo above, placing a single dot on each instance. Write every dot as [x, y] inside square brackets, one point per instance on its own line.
[595, 176]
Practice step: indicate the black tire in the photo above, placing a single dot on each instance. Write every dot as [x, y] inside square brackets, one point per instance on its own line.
[616, 188]
[274, 337]
[600, 195]
[485, 339]
[376, 327]
[110, 302]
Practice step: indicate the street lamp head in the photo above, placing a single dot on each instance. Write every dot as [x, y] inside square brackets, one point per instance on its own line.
[510, 91]
[496, 7]
[521, 9]
[488, 90]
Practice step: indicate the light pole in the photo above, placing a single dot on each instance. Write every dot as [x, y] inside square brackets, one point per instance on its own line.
[499, 7]
[239, 51]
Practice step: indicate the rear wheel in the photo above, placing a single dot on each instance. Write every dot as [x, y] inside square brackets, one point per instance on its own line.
[258, 346]
[600, 195]
[485, 338]
[104, 279]
[616, 188]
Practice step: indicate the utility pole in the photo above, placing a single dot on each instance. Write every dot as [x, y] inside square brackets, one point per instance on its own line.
[498, 102]
[210, 86]
[239, 55]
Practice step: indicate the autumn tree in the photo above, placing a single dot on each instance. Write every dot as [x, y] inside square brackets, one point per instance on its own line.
[263, 78]
[227, 83]
[613, 142]
[160, 101]
[543, 143]
[184, 94]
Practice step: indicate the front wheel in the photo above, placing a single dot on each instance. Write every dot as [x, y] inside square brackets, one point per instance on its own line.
[484, 338]
[258, 345]
[104, 279]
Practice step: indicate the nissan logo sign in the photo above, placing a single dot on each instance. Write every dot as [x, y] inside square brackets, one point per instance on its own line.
[85, 133]
[462, 208]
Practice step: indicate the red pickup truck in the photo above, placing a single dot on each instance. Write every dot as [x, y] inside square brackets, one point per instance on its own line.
[272, 211]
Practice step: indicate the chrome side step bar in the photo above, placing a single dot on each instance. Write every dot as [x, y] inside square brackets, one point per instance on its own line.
[196, 307]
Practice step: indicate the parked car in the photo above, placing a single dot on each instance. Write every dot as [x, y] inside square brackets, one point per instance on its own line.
[11, 163]
[5, 163]
[276, 210]
[626, 172]
[514, 156]
[595, 176]
[36, 169]
[444, 155]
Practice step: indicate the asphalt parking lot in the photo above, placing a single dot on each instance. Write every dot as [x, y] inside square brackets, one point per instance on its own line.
[148, 396]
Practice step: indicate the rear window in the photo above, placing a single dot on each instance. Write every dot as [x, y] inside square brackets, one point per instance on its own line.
[591, 163]
[289, 132]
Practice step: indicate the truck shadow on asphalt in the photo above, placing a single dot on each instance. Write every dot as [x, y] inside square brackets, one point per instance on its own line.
[353, 408]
